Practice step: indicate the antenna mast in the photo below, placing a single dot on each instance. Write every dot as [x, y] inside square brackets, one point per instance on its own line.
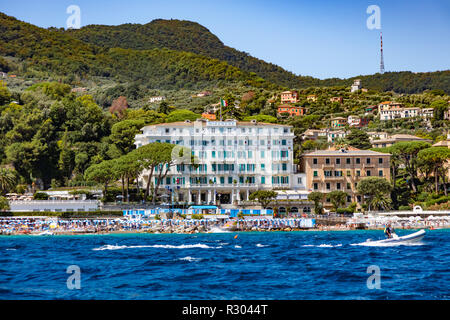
[382, 59]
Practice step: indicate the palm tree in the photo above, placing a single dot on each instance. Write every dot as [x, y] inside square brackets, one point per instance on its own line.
[7, 180]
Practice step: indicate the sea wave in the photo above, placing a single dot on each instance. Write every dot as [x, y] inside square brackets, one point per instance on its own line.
[190, 259]
[323, 245]
[259, 245]
[165, 246]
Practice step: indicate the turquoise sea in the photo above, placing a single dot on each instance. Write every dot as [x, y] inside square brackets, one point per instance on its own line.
[272, 265]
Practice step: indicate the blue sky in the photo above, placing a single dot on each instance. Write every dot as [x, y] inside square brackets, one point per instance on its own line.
[319, 38]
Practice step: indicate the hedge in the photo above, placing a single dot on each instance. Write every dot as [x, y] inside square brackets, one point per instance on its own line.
[81, 214]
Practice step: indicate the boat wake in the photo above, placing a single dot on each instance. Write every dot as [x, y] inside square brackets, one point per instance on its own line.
[218, 230]
[323, 245]
[190, 259]
[167, 246]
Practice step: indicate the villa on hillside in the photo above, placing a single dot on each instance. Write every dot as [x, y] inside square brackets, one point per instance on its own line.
[291, 110]
[387, 142]
[289, 97]
[338, 122]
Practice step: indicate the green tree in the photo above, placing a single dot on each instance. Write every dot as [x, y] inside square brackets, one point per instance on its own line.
[7, 180]
[406, 152]
[338, 199]
[164, 107]
[103, 173]
[182, 115]
[124, 132]
[434, 159]
[317, 198]
[376, 191]
[264, 197]
[358, 139]
[4, 204]
[5, 95]
[440, 107]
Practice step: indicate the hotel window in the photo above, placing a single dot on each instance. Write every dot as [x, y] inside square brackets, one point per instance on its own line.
[328, 173]
[358, 160]
[338, 173]
[299, 180]
[263, 167]
[263, 180]
[369, 173]
[262, 154]
[316, 186]
[283, 142]
[368, 160]
[213, 154]
[349, 173]
[380, 173]
[328, 186]
[284, 167]
[315, 161]
[349, 199]
[358, 198]
[222, 180]
[167, 130]
[338, 161]
[221, 130]
[358, 173]
[349, 186]
[338, 186]
[250, 154]
[327, 161]
[348, 160]
[230, 180]
[315, 174]
[380, 160]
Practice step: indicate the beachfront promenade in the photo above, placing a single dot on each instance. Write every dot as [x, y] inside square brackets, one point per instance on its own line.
[54, 226]
[212, 224]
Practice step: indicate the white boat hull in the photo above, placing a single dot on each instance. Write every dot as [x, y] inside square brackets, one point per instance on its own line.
[410, 238]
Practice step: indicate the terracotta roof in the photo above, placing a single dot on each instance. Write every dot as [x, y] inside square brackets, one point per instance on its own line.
[346, 153]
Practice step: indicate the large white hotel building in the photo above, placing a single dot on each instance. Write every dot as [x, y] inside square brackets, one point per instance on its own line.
[234, 159]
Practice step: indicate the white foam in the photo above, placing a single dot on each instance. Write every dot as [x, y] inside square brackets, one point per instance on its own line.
[166, 246]
[218, 230]
[190, 259]
[259, 245]
[237, 247]
[323, 245]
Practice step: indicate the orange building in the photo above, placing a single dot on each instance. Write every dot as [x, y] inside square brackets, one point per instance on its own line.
[291, 110]
[209, 115]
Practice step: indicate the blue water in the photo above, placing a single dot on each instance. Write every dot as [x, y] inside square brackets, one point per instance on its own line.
[295, 265]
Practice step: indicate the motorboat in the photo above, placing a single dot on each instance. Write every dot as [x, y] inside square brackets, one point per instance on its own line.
[410, 238]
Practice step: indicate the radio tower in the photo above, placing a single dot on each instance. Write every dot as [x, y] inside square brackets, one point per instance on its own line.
[382, 59]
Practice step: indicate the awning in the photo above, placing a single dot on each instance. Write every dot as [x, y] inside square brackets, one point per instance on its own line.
[203, 207]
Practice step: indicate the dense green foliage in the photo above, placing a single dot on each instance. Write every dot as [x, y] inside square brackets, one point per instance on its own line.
[58, 53]
[192, 37]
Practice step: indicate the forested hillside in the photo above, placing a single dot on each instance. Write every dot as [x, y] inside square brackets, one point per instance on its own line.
[54, 53]
[192, 37]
